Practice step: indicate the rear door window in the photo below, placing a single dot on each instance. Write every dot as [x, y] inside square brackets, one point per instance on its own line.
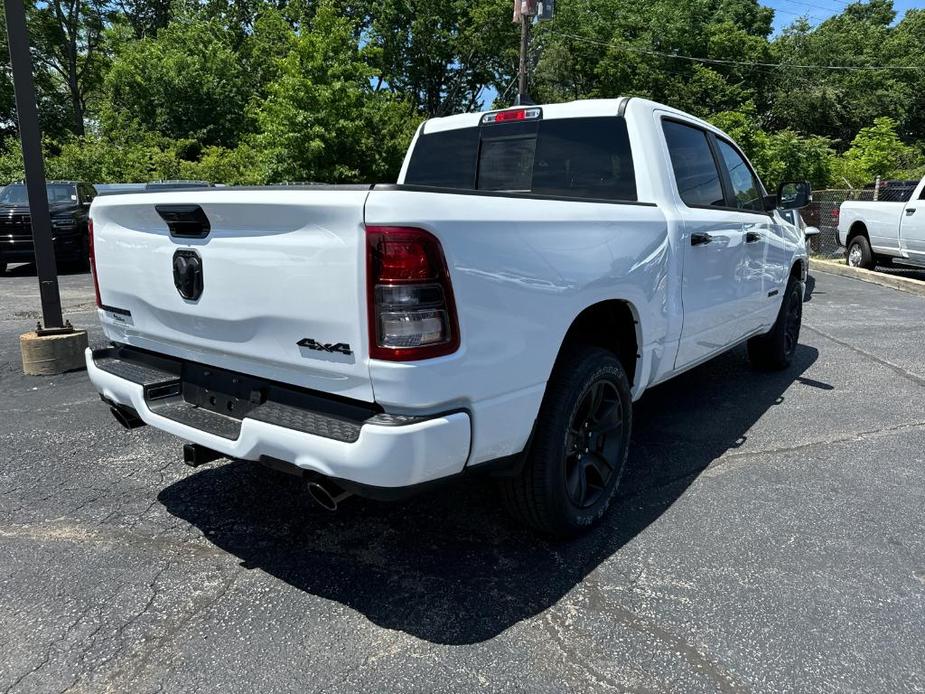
[695, 169]
[582, 158]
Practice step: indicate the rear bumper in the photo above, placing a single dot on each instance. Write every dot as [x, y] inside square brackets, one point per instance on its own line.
[373, 455]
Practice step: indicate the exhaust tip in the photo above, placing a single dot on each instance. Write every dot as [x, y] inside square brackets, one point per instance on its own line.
[328, 497]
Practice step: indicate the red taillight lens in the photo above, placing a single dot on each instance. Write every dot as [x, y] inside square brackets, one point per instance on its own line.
[503, 116]
[96, 281]
[412, 314]
[404, 257]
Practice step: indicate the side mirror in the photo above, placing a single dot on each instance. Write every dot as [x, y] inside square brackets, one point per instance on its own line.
[809, 232]
[793, 196]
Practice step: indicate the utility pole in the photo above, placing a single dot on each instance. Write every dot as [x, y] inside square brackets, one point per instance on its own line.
[522, 96]
[524, 11]
[31, 137]
[54, 347]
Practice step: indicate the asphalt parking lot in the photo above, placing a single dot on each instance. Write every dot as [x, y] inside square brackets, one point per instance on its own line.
[769, 537]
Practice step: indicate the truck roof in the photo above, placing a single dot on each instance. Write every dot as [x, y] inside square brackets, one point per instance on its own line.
[581, 108]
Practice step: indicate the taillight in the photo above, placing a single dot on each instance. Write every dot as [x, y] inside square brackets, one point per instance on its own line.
[96, 280]
[410, 300]
[836, 215]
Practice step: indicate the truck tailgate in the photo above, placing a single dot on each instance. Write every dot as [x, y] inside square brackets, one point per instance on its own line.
[281, 274]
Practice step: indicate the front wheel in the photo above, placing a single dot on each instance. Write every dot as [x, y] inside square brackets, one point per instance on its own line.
[579, 447]
[774, 350]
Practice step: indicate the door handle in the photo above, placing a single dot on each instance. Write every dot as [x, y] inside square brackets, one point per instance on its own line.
[752, 237]
[910, 211]
[700, 238]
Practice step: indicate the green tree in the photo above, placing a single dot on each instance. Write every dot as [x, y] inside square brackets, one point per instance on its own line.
[186, 83]
[146, 17]
[877, 151]
[779, 156]
[441, 55]
[322, 119]
[837, 103]
[608, 48]
[66, 36]
[239, 166]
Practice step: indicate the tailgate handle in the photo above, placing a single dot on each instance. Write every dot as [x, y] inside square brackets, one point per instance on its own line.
[187, 221]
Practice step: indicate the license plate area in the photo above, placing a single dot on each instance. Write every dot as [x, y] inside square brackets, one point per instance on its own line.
[224, 392]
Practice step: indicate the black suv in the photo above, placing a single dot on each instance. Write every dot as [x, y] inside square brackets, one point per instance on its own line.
[68, 201]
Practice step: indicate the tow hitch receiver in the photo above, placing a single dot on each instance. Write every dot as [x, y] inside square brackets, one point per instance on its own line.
[195, 455]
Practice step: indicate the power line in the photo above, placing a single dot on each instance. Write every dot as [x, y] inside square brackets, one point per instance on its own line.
[813, 17]
[722, 61]
[833, 10]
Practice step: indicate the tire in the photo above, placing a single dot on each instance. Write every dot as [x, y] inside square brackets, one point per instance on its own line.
[569, 477]
[774, 350]
[860, 254]
[2, 267]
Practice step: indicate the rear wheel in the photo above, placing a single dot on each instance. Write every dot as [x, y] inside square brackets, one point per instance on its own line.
[860, 254]
[775, 349]
[579, 448]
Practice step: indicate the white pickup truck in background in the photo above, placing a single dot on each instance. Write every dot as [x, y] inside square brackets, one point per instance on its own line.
[532, 273]
[880, 231]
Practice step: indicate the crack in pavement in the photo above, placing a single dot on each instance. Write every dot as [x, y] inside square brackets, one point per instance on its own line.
[116, 636]
[905, 373]
[156, 646]
[859, 436]
[51, 647]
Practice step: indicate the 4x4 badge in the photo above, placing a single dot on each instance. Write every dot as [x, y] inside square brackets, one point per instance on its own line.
[340, 347]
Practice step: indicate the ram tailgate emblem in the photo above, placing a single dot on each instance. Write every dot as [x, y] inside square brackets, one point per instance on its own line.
[338, 347]
[187, 274]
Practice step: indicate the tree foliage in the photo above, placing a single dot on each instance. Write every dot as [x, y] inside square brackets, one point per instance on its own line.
[322, 119]
[187, 82]
[252, 91]
[784, 155]
[877, 151]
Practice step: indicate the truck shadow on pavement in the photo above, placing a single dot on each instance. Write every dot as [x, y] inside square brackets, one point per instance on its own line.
[449, 566]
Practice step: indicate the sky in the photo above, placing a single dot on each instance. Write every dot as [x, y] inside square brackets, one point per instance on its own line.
[786, 11]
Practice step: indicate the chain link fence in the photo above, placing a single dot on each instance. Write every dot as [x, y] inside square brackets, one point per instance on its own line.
[823, 211]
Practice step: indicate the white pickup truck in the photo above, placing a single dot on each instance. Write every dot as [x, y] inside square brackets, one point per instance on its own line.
[499, 309]
[881, 231]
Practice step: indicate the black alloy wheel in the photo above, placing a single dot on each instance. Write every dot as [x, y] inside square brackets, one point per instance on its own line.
[595, 443]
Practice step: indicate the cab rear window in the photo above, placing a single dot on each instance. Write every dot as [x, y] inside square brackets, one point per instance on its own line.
[583, 158]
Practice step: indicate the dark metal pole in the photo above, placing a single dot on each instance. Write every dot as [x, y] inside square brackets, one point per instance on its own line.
[522, 97]
[31, 136]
